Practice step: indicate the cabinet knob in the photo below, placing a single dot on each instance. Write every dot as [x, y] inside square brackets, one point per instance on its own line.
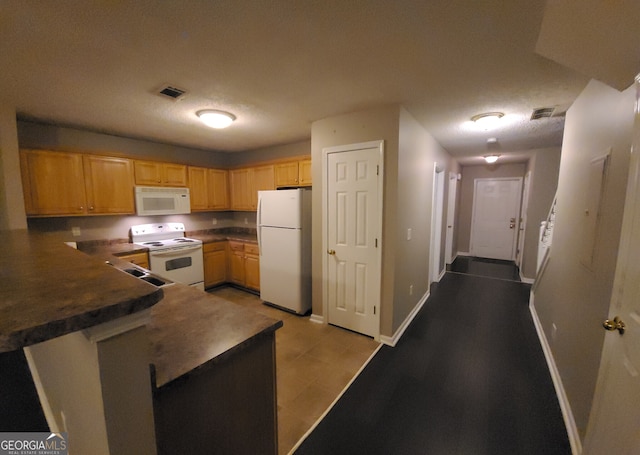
[91, 208]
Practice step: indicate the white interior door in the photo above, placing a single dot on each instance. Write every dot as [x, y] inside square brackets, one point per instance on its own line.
[494, 224]
[451, 218]
[614, 424]
[436, 222]
[352, 236]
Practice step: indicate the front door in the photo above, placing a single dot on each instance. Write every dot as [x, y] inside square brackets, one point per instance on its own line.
[451, 217]
[615, 415]
[494, 225]
[352, 236]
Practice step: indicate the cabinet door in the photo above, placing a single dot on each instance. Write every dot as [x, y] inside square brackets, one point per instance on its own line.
[252, 267]
[53, 183]
[287, 174]
[240, 183]
[304, 172]
[198, 188]
[174, 174]
[263, 178]
[148, 173]
[218, 188]
[215, 263]
[109, 184]
[236, 267]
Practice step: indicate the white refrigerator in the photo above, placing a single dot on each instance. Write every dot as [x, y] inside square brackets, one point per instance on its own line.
[284, 241]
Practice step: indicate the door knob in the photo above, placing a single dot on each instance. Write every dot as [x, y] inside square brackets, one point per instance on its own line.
[331, 252]
[616, 324]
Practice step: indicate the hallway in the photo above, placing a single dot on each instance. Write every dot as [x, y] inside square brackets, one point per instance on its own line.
[468, 377]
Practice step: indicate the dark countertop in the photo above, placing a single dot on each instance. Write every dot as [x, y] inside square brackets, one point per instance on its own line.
[191, 328]
[48, 289]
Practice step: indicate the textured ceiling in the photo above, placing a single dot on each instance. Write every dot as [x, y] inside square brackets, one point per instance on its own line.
[280, 65]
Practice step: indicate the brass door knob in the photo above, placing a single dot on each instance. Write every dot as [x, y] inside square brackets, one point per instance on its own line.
[331, 252]
[616, 324]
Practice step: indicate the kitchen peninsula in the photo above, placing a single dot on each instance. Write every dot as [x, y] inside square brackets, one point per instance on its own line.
[91, 332]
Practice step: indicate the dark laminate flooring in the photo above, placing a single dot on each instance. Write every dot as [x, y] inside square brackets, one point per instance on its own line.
[494, 268]
[468, 377]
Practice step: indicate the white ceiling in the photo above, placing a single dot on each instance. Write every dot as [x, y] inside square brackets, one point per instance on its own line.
[280, 65]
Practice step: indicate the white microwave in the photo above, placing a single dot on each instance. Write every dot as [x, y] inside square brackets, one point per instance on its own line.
[155, 200]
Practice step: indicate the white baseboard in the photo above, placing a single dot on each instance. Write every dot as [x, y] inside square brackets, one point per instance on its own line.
[463, 253]
[442, 274]
[392, 341]
[527, 280]
[565, 406]
[317, 319]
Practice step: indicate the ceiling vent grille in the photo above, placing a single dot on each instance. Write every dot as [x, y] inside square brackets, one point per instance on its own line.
[172, 92]
[543, 112]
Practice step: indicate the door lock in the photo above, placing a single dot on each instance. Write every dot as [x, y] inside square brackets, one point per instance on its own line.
[331, 252]
[616, 324]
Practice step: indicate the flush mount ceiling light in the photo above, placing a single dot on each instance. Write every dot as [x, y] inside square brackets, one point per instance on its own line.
[487, 120]
[491, 158]
[216, 119]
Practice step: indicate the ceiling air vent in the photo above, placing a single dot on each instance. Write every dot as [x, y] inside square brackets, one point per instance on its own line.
[542, 112]
[172, 92]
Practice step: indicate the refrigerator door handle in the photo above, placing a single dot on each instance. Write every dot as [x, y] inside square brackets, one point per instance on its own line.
[259, 223]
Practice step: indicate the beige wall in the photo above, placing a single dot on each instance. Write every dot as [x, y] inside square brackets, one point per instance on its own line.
[544, 166]
[570, 296]
[410, 153]
[12, 212]
[469, 174]
[269, 153]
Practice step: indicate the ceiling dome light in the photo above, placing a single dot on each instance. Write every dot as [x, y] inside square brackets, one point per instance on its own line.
[216, 119]
[487, 120]
[491, 158]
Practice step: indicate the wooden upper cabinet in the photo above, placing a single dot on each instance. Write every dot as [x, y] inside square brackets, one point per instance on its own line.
[239, 189]
[198, 188]
[304, 173]
[262, 178]
[154, 173]
[109, 185]
[53, 182]
[209, 189]
[60, 183]
[218, 189]
[293, 173]
[287, 174]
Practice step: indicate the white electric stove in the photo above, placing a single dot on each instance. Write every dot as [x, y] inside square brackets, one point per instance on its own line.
[171, 254]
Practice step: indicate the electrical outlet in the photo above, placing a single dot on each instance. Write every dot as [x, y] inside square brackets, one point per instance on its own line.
[411, 289]
[75, 231]
[246, 221]
[214, 221]
[554, 331]
[409, 234]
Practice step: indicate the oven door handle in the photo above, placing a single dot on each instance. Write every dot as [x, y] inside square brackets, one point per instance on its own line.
[178, 252]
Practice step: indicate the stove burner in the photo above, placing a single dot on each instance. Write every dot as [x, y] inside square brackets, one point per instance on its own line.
[153, 243]
[183, 240]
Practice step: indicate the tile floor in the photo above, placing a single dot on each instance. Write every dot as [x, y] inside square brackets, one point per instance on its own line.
[314, 363]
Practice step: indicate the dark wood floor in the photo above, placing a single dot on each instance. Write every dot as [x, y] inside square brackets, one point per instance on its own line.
[468, 377]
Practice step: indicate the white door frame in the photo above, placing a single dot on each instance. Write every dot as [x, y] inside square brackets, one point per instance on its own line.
[437, 204]
[524, 207]
[517, 212]
[325, 224]
[449, 255]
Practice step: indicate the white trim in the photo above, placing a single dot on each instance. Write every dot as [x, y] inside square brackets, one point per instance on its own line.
[442, 274]
[525, 279]
[313, 427]
[118, 326]
[317, 319]
[437, 209]
[563, 400]
[392, 341]
[463, 253]
[47, 410]
[379, 144]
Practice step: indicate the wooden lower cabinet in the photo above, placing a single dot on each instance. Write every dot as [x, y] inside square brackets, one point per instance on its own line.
[244, 264]
[139, 259]
[215, 263]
